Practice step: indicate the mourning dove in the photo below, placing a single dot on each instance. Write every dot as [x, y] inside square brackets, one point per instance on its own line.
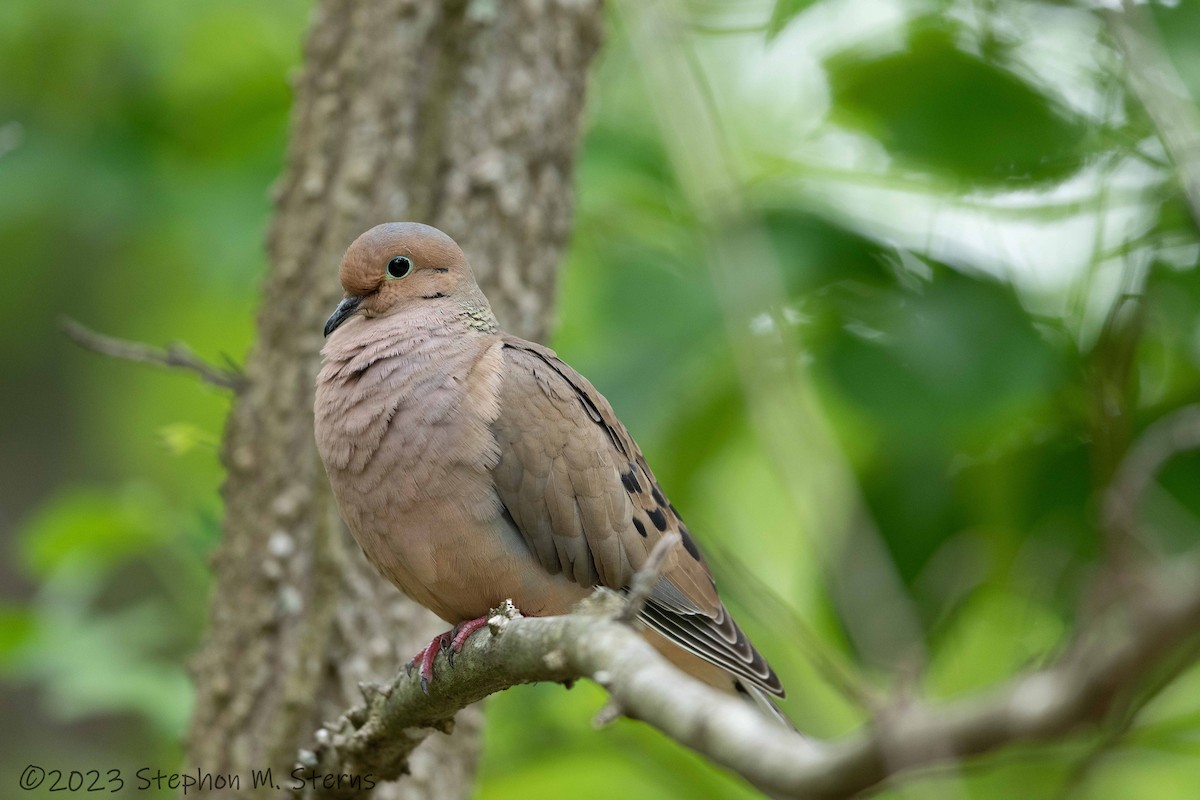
[473, 466]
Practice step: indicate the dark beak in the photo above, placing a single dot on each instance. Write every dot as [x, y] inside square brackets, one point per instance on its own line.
[343, 312]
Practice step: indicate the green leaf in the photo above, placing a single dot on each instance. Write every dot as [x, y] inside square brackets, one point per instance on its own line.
[956, 360]
[99, 527]
[181, 438]
[16, 627]
[91, 664]
[943, 109]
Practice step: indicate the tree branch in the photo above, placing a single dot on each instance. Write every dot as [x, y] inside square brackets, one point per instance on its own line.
[175, 355]
[1162, 441]
[1091, 682]
[645, 578]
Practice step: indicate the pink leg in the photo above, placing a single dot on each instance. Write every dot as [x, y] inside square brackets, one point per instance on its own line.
[452, 641]
[424, 659]
[461, 633]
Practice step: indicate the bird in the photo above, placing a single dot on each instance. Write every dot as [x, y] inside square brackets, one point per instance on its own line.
[473, 466]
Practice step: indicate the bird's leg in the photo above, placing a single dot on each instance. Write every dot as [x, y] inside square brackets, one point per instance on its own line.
[462, 631]
[424, 659]
[451, 641]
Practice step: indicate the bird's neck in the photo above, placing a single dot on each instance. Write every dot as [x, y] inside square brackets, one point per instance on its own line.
[409, 330]
[478, 316]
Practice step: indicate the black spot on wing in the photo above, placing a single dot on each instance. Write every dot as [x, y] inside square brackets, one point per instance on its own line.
[689, 543]
[658, 518]
[637, 523]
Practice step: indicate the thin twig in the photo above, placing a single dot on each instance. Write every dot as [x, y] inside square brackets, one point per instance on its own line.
[645, 578]
[174, 356]
[1162, 441]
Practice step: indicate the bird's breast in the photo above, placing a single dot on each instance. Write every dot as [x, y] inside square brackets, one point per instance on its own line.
[403, 427]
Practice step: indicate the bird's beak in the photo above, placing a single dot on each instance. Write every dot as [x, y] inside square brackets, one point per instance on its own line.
[343, 312]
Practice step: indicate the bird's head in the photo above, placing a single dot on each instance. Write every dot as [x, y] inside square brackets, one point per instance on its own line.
[399, 265]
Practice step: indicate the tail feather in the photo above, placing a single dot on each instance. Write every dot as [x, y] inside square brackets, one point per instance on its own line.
[765, 703]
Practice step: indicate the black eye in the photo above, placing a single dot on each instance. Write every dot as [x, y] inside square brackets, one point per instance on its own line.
[399, 266]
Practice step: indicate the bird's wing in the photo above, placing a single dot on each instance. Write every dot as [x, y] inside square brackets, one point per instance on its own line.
[587, 504]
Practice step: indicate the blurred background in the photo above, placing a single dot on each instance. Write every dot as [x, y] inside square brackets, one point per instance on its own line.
[960, 279]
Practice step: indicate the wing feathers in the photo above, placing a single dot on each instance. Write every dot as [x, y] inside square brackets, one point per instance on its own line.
[585, 501]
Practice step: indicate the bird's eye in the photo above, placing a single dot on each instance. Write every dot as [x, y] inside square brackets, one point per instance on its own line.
[398, 267]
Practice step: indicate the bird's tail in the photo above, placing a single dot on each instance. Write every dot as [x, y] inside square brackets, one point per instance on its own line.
[763, 701]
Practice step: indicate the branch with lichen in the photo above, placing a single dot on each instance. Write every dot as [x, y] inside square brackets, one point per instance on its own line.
[1087, 686]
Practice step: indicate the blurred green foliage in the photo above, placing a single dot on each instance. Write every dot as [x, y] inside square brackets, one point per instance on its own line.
[956, 196]
[144, 139]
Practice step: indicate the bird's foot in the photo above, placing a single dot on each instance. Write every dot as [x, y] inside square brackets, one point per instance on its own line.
[451, 641]
[461, 633]
[423, 660]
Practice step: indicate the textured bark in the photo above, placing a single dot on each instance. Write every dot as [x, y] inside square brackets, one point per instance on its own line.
[461, 114]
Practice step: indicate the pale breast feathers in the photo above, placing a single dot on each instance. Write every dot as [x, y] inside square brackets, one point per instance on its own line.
[408, 417]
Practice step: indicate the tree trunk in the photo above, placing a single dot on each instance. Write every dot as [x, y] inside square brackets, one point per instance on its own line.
[464, 115]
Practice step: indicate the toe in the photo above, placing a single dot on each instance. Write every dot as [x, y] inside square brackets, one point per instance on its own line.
[463, 632]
